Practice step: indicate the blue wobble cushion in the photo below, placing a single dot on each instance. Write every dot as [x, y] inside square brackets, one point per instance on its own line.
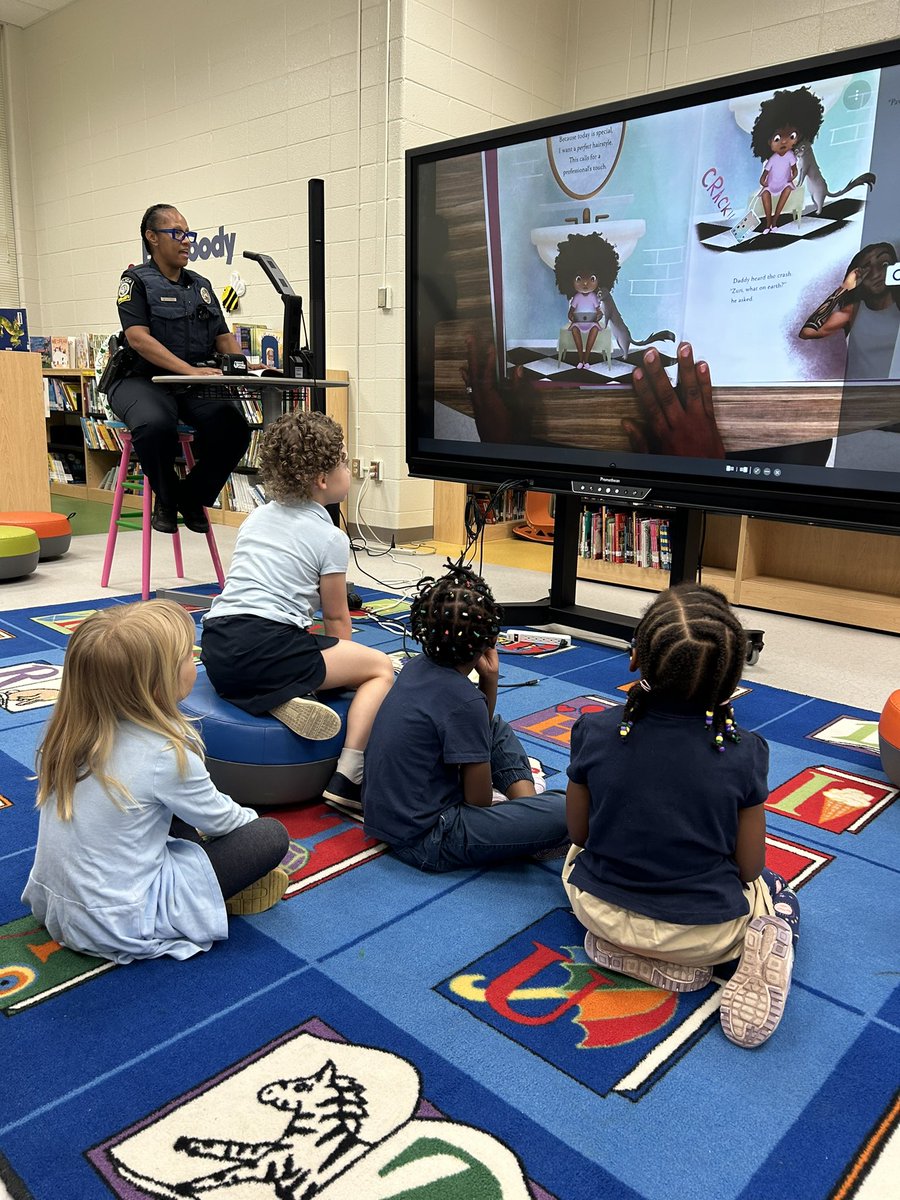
[257, 760]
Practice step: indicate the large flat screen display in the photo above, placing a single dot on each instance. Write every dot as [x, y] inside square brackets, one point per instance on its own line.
[755, 218]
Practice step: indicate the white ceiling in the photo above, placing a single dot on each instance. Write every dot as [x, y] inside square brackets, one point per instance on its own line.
[26, 12]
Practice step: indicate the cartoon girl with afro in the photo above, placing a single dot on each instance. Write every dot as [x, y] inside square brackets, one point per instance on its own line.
[784, 121]
[585, 265]
[586, 269]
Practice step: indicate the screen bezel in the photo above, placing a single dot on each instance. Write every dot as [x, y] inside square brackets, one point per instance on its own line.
[838, 505]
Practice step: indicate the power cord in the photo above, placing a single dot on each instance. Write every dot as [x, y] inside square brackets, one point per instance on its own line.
[476, 519]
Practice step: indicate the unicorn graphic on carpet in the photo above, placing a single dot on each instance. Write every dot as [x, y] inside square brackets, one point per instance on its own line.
[322, 1136]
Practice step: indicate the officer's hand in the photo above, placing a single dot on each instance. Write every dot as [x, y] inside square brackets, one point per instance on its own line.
[204, 371]
[679, 420]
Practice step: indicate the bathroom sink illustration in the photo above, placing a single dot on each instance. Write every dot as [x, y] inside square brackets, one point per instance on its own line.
[624, 235]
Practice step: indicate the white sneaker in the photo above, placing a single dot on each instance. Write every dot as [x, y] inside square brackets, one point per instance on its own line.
[754, 997]
[308, 718]
[672, 977]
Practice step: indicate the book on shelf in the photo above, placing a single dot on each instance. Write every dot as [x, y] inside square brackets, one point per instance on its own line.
[250, 338]
[59, 352]
[13, 329]
[41, 345]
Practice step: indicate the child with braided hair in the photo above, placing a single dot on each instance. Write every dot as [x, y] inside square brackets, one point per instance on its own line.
[437, 748]
[665, 812]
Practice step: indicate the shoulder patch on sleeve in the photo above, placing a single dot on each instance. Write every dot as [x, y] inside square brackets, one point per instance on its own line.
[125, 286]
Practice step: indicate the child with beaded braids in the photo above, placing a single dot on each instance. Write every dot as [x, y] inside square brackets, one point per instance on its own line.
[665, 812]
[437, 748]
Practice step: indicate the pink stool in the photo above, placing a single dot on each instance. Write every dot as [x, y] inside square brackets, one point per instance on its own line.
[185, 437]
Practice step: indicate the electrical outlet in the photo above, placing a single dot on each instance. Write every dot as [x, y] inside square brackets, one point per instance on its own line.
[356, 468]
[376, 470]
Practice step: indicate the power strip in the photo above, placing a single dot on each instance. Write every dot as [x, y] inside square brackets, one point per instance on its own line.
[535, 635]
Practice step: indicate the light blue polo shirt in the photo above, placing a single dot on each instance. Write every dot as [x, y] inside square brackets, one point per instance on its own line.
[281, 553]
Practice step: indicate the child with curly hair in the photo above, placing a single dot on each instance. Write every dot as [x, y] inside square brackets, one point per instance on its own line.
[438, 749]
[665, 811]
[786, 120]
[586, 267]
[289, 560]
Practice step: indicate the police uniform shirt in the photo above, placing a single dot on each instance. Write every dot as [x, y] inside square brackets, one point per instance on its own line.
[183, 315]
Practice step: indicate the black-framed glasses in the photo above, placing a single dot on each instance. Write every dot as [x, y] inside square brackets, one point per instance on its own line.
[180, 235]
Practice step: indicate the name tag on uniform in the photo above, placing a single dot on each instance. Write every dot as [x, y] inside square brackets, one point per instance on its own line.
[169, 299]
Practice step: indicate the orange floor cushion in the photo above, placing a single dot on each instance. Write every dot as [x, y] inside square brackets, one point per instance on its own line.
[53, 530]
[889, 738]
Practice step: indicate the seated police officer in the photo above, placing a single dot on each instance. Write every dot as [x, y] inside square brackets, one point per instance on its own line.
[172, 321]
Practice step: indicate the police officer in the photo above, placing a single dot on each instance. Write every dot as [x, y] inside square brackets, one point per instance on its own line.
[172, 321]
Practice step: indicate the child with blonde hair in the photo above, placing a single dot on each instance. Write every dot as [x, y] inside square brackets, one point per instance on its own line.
[289, 560]
[138, 854]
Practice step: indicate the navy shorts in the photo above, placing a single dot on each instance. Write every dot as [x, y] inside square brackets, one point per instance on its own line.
[257, 664]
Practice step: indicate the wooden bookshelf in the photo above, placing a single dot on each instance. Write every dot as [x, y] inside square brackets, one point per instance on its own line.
[449, 517]
[79, 377]
[23, 438]
[98, 462]
[839, 575]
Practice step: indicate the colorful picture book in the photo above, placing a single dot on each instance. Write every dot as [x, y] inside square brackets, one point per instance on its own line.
[13, 329]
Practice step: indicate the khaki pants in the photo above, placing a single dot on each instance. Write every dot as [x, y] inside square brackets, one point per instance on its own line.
[689, 945]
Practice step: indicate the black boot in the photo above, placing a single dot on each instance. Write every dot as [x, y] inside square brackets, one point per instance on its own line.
[192, 510]
[164, 518]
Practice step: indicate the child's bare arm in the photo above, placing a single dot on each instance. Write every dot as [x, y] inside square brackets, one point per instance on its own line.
[335, 613]
[477, 787]
[750, 851]
[488, 669]
[578, 807]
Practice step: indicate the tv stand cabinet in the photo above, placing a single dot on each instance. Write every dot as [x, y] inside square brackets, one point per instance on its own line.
[814, 571]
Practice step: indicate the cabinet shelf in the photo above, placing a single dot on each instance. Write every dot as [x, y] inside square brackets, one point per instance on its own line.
[805, 570]
[75, 491]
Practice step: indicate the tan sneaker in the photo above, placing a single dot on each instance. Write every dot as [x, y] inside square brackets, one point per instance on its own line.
[754, 997]
[259, 896]
[309, 719]
[672, 977]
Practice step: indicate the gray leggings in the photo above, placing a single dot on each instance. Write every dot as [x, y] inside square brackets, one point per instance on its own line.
[241, 857]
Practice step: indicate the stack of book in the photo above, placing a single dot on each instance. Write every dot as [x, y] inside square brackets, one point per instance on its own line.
[250, 461]
[65, 466]
[61, 395]
[243, 494]
[100, 436]
[625, 536]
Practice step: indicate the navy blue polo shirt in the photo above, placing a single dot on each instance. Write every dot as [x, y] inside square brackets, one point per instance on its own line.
[664, 811]
[431, 722]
